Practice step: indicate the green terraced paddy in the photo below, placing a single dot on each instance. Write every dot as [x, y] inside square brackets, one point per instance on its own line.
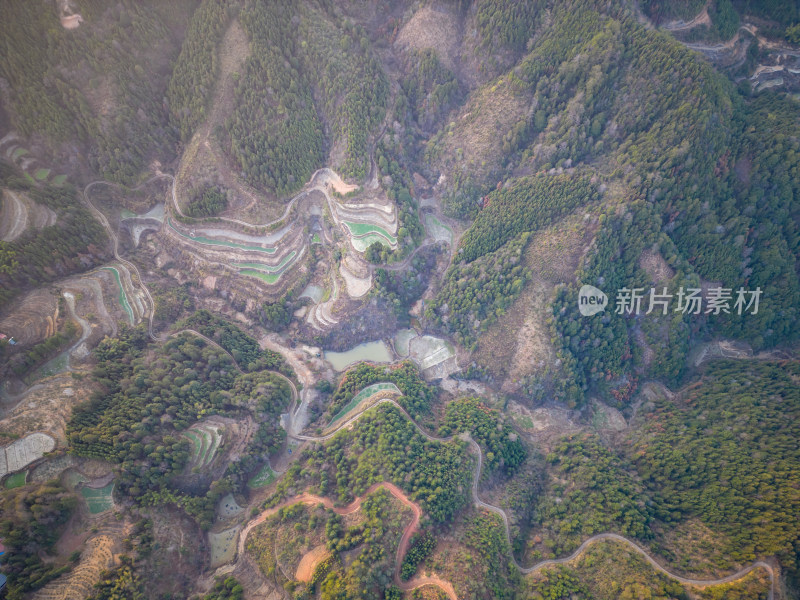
[205, 442]
[59, 180]
[98, 500]
[363, 395]
[210, 242]
[267, 277]
[268, 268]
[263, 478]
[364, 229]
[362, 243]
[16, 480]
[216, 439]
[197, 444]
[123, 298]
[41, 174]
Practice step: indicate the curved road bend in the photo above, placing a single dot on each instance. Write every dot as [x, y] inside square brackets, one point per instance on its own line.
[582, 548]
[446, 586]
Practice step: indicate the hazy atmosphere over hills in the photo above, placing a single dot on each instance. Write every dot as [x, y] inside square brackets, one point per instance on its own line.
[371, 299]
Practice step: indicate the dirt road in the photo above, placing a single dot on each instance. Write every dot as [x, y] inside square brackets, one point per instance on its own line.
[501, 513]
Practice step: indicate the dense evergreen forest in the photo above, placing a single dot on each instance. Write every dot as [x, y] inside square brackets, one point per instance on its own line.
[275, 134]
[148, 400]
[196, 69]
[31, 521]
[101, 84]
[707, 173]
[76, 243]
[502, 447]
[384, 446]
[726, 453]
[417, 394]
[244, 349]
[474, 295]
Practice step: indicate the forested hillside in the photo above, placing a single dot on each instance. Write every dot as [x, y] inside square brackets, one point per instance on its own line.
[641, 113]
[321, 336]
[102, 84]
[275, 134]
[147, 401]
[76, 243]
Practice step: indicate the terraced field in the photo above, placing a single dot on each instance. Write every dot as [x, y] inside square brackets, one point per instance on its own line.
[122, 297]
[28, 322]
[223, 243]
[98, 500]
[22, 158]
[268, 273]
[363, 395]
[223, 546]
[78, 584]
[206, 439]
[20, 453]
[365, 229]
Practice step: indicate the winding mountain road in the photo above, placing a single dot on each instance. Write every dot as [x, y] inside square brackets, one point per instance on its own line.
[501, 513]
[112, 234]
[355, 505]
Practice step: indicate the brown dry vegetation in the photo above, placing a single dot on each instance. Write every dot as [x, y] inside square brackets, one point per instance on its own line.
[432, 26]
[476, 141]
[96, 557]
[47, 407]
[181, 554]
[696, 548]
[655, 266]
[518, 344]
[309, 562]
[27, 320]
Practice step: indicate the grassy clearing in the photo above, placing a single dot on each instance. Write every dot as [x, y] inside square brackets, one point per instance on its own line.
[98, 500]
[53, 367]
[18, 152]
[315, 239]
[263, 478]
[41, 174]
[438, 230]
[59, 180]
[16, 480]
